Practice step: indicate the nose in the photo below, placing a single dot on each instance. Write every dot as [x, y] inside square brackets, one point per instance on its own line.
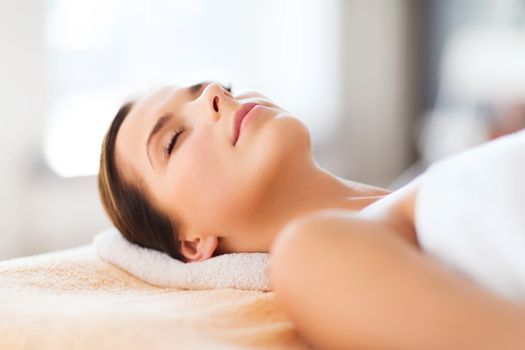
[214, 96]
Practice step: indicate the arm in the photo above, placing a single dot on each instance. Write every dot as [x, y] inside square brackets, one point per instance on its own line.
[352, 282]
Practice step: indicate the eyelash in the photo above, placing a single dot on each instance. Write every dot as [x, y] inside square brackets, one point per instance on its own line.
[173, 140]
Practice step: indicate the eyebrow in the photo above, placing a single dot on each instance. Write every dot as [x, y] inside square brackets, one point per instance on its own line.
[162, 121]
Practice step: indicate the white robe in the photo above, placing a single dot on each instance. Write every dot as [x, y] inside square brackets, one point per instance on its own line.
[470, 214]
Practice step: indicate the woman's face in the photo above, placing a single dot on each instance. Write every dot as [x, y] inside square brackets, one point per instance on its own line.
[207, 184]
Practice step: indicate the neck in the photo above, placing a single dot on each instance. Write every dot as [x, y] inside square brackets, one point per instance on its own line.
[292, 197]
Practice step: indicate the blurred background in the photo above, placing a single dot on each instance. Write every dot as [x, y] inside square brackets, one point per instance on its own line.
[385, 87]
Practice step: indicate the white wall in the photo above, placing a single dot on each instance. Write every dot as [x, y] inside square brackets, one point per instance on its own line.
[376, 105]
[21, 104]
[38, 211]
[41, 212]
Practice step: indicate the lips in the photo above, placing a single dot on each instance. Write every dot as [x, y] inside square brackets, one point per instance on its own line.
[239, 116]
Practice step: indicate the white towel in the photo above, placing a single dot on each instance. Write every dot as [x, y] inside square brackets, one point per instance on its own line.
[470, 214]
[248, 271]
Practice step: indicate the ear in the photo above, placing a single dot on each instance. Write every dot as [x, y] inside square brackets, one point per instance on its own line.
[198, 249]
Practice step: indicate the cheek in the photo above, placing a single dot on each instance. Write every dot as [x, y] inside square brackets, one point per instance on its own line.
[199, 177]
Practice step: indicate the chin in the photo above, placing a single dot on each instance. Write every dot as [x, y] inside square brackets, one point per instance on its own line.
[284, 143]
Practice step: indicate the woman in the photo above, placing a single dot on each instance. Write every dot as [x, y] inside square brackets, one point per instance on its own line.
[182, 174]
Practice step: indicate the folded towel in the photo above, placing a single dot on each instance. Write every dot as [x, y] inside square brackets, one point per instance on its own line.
[470, 214]
[248, 271]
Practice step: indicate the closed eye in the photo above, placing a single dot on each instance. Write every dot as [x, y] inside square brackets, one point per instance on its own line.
[172, 141]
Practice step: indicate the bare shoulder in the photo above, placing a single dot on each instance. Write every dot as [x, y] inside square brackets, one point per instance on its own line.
[397, 208]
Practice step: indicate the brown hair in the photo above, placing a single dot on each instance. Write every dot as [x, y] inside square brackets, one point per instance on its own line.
[127, 205]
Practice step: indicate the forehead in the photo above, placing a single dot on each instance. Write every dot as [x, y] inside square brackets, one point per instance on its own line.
[152, 101]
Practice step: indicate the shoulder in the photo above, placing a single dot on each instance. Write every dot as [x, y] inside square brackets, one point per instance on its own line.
[397, 209]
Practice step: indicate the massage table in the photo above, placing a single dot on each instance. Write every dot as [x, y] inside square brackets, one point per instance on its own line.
[72, 299]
